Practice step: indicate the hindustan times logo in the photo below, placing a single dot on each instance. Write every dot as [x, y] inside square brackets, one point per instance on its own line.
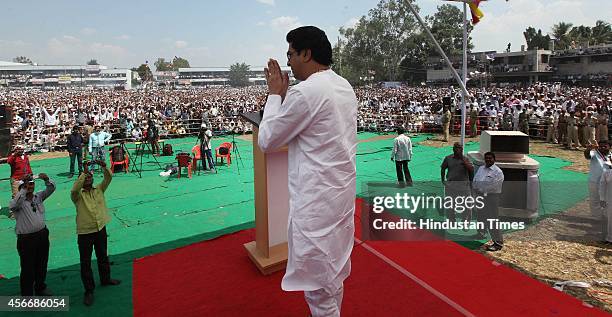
[413, 203]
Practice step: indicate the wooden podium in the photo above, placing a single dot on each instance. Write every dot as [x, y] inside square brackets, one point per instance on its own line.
[269, 250]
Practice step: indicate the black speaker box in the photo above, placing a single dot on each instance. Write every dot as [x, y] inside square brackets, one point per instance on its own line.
[6, 118]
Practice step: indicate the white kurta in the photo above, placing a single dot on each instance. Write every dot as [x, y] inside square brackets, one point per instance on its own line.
[318, 121]
[605, 194]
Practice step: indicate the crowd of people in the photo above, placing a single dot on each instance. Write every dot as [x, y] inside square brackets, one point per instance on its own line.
[535, 110]
[43, 120]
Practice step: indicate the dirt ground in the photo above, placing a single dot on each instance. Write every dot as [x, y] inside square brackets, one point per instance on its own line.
[48, 155]
[563, 247]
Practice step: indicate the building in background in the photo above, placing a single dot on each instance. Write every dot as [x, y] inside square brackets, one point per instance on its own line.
[15, 75]
[219, 76]
[524, 67]
[580, 66]
[584, 66]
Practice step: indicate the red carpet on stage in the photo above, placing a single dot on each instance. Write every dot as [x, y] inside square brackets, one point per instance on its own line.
[441, 278]
[217, 278]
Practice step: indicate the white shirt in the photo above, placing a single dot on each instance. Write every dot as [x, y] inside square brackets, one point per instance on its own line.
[605, 194]
[488, 180]
[207, 144]
[51, 119]
[402, 148]
[318, 121]
[137, 134]
[605, 188]
[98, 139]
[597, 165]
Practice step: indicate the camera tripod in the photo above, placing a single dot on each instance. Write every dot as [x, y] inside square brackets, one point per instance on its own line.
[132, 160]
[236, 152]
[140, 149]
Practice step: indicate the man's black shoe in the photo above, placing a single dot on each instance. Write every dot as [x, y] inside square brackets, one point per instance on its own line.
[494, 247]
[111, 282]
[44, 292]
[89, 299]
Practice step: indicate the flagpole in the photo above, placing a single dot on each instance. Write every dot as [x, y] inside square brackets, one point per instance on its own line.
[464, 92]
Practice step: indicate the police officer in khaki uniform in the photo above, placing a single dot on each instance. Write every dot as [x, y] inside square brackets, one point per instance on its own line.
[589, 128]
[572, 132]
[551, 129]
[580, 123]
[602, 125]
[473, 120]
[446, 118]
[524, 121]
[562, 127]
[507, 121]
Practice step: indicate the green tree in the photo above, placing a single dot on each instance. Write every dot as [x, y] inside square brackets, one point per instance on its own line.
[357, 52]
[239, 74]
[144, 72]
[536, 40]
[179, 62]
[375, 47]
[446, 25]
[560, 32]
[93, 62]
[23, 60]
[601, 33]
[567, 36]
[581, 35]
[388, 44]
[161, 65]
[418, 48]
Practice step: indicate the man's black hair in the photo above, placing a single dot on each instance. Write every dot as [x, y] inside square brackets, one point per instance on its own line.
[400, 130]
[313, 39]
[490, 153]
[603, 142]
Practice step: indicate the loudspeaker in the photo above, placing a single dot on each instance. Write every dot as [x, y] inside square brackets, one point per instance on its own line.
[6, 118]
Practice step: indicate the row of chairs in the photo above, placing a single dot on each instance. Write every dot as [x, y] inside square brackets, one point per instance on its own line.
[191, 163]
[184, 159]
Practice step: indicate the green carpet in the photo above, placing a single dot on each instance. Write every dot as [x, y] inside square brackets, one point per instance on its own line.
[154, 214]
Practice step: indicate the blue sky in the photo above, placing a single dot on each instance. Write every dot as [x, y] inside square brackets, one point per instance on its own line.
[219, 33]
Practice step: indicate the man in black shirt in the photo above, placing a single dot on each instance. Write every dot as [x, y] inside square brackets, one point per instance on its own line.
[153, 137]
[75, 149]
[455, 173]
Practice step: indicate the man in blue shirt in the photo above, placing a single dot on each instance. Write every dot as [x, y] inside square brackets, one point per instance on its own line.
[97, 140]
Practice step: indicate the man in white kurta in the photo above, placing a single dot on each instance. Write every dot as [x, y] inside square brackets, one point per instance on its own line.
[605, 196]
[317, 119]
[599, 158]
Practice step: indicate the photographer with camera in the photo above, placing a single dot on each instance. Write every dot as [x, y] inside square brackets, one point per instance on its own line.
[92, 217]
[32, 234]
[205, 136]
[153, 136]
[20, 167]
